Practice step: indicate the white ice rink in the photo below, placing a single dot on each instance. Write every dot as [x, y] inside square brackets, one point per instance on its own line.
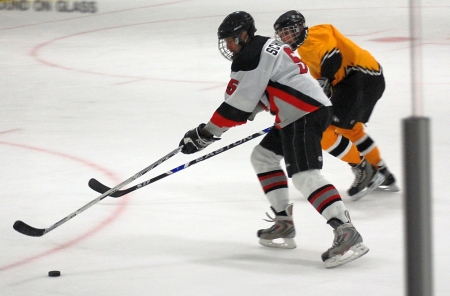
[103, 95]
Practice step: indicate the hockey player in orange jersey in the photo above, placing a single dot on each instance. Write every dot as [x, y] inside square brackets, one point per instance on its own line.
[354, 81]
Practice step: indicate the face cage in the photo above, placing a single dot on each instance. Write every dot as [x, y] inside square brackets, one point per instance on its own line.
[290, 35]
[224, 50]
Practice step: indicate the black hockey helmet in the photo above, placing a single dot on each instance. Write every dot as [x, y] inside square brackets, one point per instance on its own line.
[291, 25]
[235, 23]
[232, 26]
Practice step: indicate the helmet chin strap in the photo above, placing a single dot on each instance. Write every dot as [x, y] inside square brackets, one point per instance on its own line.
[300, 38]
[240, 42]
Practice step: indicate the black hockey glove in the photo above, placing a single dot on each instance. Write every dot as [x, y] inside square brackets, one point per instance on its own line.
[194, 140]
[326, 86]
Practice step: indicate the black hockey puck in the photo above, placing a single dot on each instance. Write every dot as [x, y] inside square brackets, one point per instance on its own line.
[54, 273]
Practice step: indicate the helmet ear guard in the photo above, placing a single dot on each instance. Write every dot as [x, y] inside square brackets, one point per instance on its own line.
[233, 26]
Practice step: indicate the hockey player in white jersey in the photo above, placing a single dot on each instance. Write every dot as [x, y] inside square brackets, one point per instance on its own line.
[266, 74]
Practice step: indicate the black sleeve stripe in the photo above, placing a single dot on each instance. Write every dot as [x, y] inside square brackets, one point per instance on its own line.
[330, 64]
[231, 113]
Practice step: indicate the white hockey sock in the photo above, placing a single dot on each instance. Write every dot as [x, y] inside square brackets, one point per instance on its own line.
[279, 199]
[336, 210]
[271, 176]
[322, 195]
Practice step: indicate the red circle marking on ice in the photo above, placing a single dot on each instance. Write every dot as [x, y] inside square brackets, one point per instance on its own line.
[120, 208]
[35, 53]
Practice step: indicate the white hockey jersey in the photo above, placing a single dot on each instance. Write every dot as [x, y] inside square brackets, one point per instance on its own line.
[267, 72]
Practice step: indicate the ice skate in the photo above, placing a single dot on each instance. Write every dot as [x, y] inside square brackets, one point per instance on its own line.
[389, 183]
[281, 234]
[347, 244]
[367, 178]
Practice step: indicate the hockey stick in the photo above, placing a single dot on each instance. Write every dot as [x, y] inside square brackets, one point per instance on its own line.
[26, 229]
[99, 187]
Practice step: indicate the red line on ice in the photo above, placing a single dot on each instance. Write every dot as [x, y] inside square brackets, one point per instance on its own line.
[120, 208]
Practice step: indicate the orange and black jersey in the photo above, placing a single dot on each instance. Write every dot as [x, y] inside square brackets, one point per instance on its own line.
[330, 54]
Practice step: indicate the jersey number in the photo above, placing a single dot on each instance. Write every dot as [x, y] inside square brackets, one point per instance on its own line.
[273, 48]
[231, 87]
[297, 60]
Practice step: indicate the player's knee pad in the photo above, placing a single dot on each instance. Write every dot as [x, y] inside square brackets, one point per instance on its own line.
[309, 181]
[264, 160]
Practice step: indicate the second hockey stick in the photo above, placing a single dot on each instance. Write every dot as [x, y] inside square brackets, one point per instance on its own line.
[99, 187]
[26, 229]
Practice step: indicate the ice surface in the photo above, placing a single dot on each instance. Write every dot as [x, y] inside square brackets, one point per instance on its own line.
[106, 94]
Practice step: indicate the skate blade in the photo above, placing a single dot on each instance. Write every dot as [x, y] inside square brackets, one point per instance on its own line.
[356, 251]
[376, 181]
[388, 188]
[281, 243]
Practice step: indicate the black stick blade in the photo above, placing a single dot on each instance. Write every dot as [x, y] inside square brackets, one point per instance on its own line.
[26, 229]
[97, 186]
[100, 188]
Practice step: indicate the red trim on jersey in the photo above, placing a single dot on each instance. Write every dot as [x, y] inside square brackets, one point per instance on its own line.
[292, 100]
[221, 121]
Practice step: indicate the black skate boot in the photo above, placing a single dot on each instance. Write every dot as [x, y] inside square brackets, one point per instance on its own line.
[367, 178]
[389, 183]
